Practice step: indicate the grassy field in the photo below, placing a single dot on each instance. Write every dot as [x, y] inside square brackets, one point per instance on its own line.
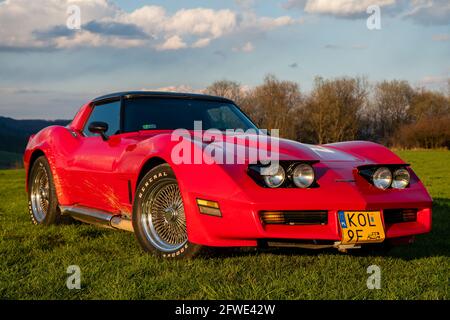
[34, 260]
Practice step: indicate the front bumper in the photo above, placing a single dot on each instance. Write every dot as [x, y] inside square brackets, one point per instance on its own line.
[241, 225]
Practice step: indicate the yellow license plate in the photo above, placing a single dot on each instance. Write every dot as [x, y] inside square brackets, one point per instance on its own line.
[361, 227]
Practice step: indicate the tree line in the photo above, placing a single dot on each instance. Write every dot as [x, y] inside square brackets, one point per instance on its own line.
[346, 108]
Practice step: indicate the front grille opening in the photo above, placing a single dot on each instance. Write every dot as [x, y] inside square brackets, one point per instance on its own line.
[294, 217]
[399, 215]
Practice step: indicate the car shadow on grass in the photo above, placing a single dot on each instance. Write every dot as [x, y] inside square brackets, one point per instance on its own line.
[434, 244]
[239, 252]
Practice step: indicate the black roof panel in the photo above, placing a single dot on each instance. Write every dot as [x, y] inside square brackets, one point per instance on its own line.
[160, 94]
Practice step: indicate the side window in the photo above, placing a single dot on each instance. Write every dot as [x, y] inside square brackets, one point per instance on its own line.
[109, 113]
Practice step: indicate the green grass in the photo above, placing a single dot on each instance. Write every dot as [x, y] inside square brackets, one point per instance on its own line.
[10, 160]
[34, 260]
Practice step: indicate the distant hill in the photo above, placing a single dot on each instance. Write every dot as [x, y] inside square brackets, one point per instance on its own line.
[10, 160]
[14, 136]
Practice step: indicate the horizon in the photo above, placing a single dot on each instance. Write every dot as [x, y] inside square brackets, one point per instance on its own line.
[76, 109]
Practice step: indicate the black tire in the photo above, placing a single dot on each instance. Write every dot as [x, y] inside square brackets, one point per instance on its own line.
[161, 232]
[42, 200]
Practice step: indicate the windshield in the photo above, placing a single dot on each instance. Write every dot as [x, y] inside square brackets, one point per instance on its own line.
[176, 113]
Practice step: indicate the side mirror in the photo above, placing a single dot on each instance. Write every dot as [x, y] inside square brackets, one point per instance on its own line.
[100, 128]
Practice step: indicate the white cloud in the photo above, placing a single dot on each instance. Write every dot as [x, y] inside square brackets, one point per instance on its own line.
[41, 24]
[19, 19]
[429, 12]
[269, 23]
[438, 82]
[199, 21]
[150, 18]
[249, 20]
[202, 22]
[247, 47]
[172, 43]
[202, 42]
[420, 11]
[84, 38]
[343, 7]
[179, 88]
[433, 80]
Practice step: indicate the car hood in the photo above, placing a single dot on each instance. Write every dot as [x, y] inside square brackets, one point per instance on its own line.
[246, 144]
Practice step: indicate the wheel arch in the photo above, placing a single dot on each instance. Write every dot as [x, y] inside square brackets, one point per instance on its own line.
[34, 156]
[148, 165]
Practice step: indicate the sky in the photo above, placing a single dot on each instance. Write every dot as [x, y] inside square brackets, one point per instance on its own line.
[48, 70]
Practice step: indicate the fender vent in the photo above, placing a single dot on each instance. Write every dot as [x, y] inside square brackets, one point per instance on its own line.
[294, 217]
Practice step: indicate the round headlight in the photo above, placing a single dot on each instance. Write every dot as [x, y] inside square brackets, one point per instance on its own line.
[401, 179]
[382, 178]
[275, 180]
[303, 175]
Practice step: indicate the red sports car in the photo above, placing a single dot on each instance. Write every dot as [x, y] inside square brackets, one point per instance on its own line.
[137, 161]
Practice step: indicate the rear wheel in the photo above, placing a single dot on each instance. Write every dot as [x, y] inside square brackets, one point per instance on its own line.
[42, 200]
[159, 220]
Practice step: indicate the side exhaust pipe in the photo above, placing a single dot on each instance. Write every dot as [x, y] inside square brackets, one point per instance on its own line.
[117, 222]
[98, 217]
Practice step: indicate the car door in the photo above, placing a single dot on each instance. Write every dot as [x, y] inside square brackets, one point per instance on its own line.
[93, 166]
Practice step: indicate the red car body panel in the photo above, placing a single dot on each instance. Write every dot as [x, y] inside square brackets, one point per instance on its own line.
[104, 175]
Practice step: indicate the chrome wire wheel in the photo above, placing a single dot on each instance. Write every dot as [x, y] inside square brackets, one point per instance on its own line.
[40, 194]
[163, 217]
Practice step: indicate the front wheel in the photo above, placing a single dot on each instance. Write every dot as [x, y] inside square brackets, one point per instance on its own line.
[159, 220]
[42, 199]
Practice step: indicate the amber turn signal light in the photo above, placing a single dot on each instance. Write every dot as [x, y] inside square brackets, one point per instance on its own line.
[208, 207]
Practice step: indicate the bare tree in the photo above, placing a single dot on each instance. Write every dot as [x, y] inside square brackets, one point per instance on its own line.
[448, 88]
[429, 104]
[392, 102]
[425, 133]
[341, 109]
[228, 89]
[274, 105]
[331, 113]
